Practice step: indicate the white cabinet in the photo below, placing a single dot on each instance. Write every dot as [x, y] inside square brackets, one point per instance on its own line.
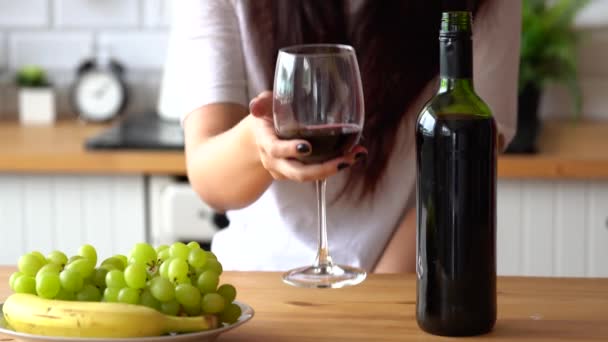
[552, 228]
[47, 212]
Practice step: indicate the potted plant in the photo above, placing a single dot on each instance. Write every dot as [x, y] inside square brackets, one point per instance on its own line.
[36, 96]
[548, 54]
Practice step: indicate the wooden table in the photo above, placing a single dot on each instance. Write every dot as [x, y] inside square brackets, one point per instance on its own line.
[382, 309]
[567, 151]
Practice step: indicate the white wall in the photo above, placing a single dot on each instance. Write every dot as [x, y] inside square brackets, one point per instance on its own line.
[592, 22]
[58, 34]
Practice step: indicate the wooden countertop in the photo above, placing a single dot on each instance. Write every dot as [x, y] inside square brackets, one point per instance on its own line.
[60, 149]
[567, 151]
[382, 309]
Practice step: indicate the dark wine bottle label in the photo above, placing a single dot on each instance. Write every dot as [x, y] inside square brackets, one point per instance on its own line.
[456, 56]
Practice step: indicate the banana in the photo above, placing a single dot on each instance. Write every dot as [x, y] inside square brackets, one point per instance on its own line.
[34, 315]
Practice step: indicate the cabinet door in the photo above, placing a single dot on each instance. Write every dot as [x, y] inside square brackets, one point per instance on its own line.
[597, 252]
[48, 212]
[509, 259]
[571, 228]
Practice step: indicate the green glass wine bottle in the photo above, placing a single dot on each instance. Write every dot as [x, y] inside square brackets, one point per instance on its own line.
[456, 195]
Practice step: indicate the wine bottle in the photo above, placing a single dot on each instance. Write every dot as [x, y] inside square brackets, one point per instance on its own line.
[456, 195]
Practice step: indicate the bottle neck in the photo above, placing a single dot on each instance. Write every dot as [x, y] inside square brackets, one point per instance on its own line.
[456, 62]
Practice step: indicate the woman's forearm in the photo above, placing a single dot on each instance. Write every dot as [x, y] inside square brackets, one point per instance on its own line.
[399, 255]
[224, 169]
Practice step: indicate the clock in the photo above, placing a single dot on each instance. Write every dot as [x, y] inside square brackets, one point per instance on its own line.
[99, 93]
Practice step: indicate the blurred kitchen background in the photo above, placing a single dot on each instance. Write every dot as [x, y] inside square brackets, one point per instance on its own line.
[70, 182]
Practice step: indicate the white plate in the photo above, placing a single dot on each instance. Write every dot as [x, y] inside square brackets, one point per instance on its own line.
[203, 336]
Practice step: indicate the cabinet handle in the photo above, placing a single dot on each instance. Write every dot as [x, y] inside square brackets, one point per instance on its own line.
[606, 223]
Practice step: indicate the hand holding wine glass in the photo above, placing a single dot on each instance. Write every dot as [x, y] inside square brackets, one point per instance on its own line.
[280, 157]
[318, 97]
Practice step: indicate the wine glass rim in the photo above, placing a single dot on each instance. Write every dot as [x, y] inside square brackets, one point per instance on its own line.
[302, 50]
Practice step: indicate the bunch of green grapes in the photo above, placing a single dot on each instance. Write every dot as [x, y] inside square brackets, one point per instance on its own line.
[178, 280]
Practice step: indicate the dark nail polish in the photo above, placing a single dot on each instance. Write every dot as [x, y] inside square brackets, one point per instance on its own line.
[302, 148]
[343, 166]
[360, 156]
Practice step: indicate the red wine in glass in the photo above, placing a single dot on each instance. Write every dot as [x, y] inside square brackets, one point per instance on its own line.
[327, 141]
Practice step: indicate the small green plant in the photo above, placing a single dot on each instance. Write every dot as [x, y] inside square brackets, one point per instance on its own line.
[549, 45]
[32, 76]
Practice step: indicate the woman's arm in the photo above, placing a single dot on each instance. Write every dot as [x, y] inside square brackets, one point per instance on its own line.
[222, 158]
[399, 255]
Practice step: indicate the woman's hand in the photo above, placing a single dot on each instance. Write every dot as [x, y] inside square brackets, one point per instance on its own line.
[279, 157]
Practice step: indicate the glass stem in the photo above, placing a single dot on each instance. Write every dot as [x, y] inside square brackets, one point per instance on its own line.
[323, 260]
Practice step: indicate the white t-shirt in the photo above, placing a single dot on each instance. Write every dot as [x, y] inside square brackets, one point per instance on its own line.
[213, 53]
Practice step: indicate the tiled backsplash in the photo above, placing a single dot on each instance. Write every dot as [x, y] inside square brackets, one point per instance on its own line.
[59, 34]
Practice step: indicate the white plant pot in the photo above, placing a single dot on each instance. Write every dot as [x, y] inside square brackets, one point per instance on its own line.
[37, 106]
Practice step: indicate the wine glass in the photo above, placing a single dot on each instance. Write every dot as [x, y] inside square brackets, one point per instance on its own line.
[318, 97]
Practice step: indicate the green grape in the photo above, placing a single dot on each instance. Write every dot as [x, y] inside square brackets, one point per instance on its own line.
[170, 308]
[161, 248]
[128, 295]
[179, 250]
[71, 280]
[115, 279]
[210, 255]
[84, 266]
[197, 258]
[185, 280]
[162, 289]
[178, 270]
[142, 253]
[113, 263]
[228, 292]
[74, 258]
[207, 282]
[48, 285]
[147, 299]
[187, 295]
[25, 284]
[164, 254]
[124, 260]
[194, 310]
[231, 314]
[163, 271]
[193, 245]
[88, 293]
[13, 278]
[64, 294]
[99, 277]
[40, 257]
[88, 252]
[29, 264]
[48, 268]
[135, 276]
[212, 303]
[110, 295]
[214, 265]
[57, 257]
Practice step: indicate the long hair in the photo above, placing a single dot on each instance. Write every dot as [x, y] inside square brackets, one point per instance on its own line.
[397, 48]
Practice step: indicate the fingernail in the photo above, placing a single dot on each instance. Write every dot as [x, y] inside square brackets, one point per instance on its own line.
[343, 166]
[252, 102]
[360, 156]
[303, 148]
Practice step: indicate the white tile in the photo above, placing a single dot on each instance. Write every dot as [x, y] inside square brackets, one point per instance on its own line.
[53, 50]
[137, 50]
[595, 14]
[157, 13]
[96, 13]
[24, 13]
[3, 62]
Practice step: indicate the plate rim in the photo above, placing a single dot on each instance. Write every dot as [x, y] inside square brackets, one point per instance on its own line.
[246, 315]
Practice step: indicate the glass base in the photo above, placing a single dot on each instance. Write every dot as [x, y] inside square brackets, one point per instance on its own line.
[334, 276]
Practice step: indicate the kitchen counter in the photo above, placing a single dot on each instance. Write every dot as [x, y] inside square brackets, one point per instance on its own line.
[382, 309]
[567, 151]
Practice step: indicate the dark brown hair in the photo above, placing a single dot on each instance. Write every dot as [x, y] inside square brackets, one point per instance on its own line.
[397, 48]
